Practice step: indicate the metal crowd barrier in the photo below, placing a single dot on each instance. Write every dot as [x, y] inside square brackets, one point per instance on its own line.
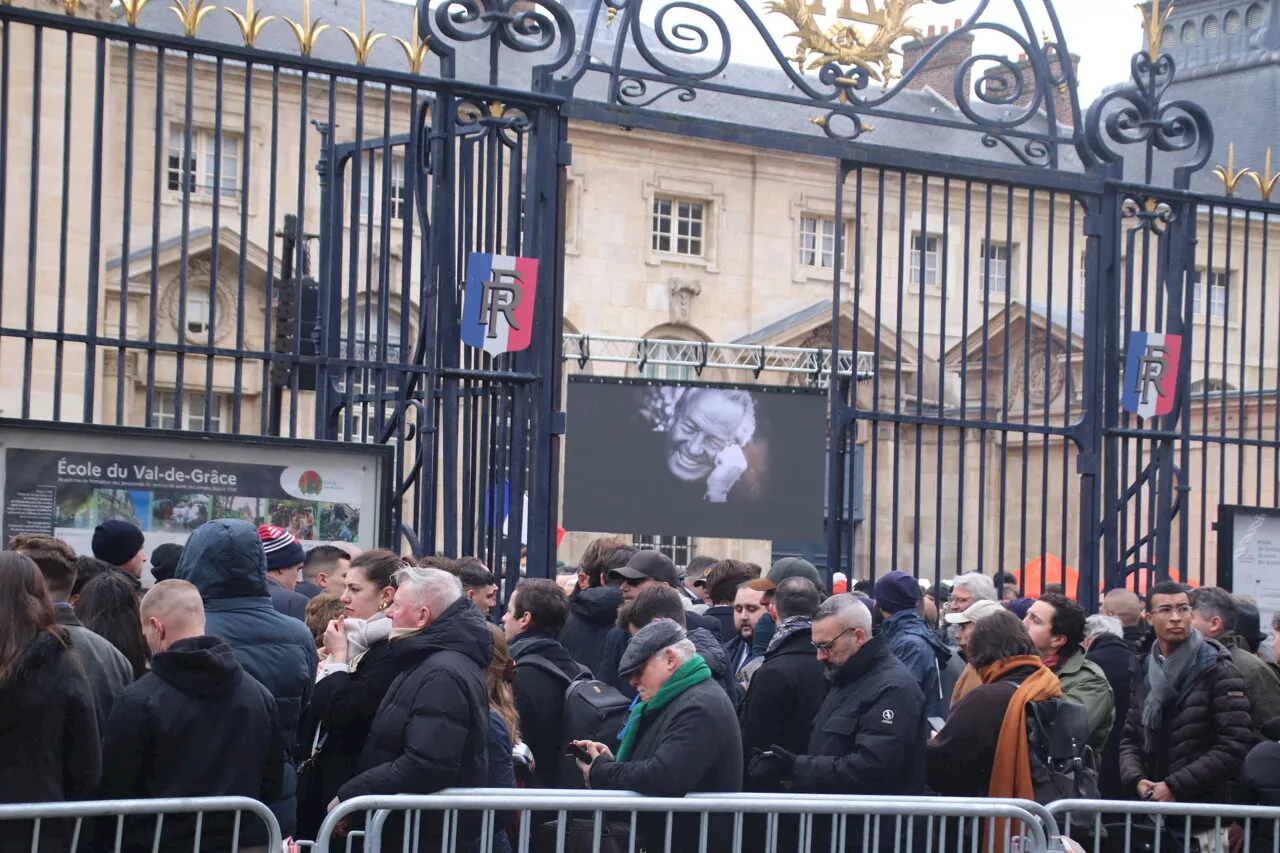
[99, 825]
[729, 822]
[1111, 826]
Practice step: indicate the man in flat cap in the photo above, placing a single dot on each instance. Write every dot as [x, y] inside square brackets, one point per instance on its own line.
[682, 736]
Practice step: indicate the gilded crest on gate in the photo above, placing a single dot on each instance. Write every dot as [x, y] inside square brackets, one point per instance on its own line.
[845, 42]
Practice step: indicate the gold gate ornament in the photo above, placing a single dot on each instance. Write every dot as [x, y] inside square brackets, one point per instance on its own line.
[844, 42]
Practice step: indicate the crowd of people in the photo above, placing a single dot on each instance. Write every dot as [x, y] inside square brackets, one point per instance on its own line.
[303, 679]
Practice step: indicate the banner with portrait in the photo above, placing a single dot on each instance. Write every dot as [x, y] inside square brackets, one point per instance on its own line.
[719, 461]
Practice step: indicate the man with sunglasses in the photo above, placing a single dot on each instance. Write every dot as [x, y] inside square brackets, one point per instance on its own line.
[1188, 728]
[870, 732]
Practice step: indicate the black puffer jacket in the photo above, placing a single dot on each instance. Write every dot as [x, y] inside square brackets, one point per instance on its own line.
[431, 729]
[539, 695]
[1115, 657]
[1260, 786]
[197, 725]
[785, 695]
[1206, 735]
[592, 612]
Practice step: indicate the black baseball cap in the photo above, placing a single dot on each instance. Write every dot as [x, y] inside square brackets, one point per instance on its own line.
[649, 565]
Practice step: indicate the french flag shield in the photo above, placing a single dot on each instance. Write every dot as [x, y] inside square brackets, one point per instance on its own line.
[497, 310]
[1151, 374]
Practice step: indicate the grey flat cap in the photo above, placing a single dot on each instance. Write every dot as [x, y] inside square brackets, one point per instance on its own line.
[647, 642]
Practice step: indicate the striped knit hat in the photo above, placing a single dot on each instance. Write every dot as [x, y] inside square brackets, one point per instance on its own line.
[282, 549]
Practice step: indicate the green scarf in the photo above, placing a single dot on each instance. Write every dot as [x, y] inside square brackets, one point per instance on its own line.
[694, 671]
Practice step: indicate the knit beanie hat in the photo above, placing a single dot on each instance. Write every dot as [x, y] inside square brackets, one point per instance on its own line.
[281, 547]
[117, 542]
[897, 591]
[164, 561]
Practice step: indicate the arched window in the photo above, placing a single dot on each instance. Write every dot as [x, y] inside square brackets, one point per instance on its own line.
[1168, 39]
[1254, 17]
[1188, 33]
[1231, 23]
[1211, 28]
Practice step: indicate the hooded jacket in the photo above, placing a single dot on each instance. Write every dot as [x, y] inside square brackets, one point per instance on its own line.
[197, 725]
[48, 726]
[1260, 679]
[922, 653]
[224, 560]
[540, 703]
[592, 612]
[431, 729]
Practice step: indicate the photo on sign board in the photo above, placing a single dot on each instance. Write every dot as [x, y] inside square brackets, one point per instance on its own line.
[297, 517]
[123, 505]
[75, 506]
[339, 522]
[179, 512]
[714, 461]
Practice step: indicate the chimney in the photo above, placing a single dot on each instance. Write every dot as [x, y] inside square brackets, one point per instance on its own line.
[1062, 97]
[940, 74]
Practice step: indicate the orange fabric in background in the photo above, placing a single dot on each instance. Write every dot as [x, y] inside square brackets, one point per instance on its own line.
[1049, 569]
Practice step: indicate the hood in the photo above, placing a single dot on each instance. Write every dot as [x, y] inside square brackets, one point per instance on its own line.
[711, 650]
[908, 622]
[224, 559]
[198, 666]
[460, 628]
[34, 675]
[598, 605]
[547, 647]
[1109, 641]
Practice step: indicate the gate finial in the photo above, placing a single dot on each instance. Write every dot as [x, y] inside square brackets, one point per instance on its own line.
[250, 23]
[308, 31]
[1154, 22]
[1266, 183]
[1228, 175]
[416, 49]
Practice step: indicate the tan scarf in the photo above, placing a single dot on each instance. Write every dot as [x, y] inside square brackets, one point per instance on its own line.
[1011, 770]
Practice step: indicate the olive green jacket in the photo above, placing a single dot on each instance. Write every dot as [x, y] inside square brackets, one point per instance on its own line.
[1084, 682]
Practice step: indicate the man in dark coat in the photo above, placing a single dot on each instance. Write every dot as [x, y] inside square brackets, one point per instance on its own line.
[644, 569]
[788, 688]
[1188, 728]
[1107, 647]
[535, 616]
[897, 597]
[431, 729]
[593, 606]
[1215, 615]
[681, 738]
[224, 560]
[1125, 605]
[1259, 785]
[108, 670]
[197, 725]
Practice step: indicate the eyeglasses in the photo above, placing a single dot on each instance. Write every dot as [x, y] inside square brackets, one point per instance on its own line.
[826, 647]
[1169, 610]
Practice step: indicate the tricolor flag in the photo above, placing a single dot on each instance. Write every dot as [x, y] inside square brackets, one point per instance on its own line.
[497, 311]
[1151, 374]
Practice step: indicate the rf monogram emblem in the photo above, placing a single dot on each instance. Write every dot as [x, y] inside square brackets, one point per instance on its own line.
[844, 42]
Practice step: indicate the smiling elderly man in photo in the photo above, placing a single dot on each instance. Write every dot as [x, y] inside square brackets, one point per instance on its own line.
[682, 736]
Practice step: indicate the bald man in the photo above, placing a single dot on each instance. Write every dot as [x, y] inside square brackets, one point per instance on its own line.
[1125, 605]
[197, 725]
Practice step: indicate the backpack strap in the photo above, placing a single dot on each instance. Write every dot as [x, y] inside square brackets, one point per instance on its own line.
[541, 664]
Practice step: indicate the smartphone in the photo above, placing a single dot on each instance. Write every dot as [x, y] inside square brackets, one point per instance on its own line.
[937, 723]
[578, 752]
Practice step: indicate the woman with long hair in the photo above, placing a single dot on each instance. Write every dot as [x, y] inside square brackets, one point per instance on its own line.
[504, 731]
[48, 728]
[108, 606]
[362, 664]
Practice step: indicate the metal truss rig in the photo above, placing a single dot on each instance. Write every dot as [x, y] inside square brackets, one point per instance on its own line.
[698, 355]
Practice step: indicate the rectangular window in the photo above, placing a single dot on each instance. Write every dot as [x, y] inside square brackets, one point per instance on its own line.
[817, 242]
[678, 226]
[678, 548]
[685, 354]
[1217, 301]
[200, 162]
[924, 260]
[397, 189]
[163, 411]
[995, 268]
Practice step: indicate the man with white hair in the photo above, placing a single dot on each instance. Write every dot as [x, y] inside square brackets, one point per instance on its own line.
[971, 587]
[870, 733]
[431, 728]
[682, 736]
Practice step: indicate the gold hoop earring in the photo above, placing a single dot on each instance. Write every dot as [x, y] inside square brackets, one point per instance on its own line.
[382, 607]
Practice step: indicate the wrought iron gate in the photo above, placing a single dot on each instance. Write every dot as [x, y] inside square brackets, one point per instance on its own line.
[991, 247]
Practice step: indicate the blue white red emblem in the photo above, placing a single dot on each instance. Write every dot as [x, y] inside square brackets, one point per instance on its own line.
[1151, 374]
[497, 311]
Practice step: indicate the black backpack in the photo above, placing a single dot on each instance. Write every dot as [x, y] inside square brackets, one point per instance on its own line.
[1063, 766]
[593, 710]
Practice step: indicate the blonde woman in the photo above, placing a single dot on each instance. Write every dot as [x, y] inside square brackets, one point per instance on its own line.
[504, 731]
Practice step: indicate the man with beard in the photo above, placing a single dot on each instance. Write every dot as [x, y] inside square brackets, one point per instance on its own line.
[869, 735]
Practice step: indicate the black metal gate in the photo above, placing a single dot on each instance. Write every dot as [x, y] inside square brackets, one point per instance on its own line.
[170, 260]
